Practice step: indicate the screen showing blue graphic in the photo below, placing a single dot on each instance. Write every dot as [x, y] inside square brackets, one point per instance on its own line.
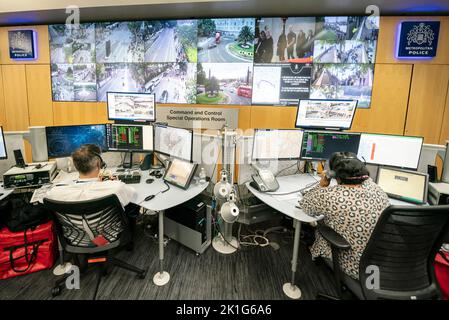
[62, 141]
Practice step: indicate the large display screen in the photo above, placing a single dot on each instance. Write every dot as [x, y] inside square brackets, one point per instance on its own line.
[320, 145]
[62, 141]
[322, 114]
[3, 154]
[270, 144]
[390, 150]
[234, 61]
[129, 137]
[131, 106]
[173, 142]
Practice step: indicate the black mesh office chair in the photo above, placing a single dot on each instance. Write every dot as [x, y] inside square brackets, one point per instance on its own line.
[403, 246]
[92, 228]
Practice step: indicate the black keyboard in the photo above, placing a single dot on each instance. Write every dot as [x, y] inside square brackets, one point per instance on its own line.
[129, 178]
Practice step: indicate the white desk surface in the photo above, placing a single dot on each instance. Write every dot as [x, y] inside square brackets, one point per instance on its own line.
[286, 204]
[163, 201]
[5, 192]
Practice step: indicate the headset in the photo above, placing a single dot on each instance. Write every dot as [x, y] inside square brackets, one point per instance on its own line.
[331, 174]
[103, 164]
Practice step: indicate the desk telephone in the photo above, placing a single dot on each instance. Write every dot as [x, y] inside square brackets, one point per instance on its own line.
[264, 181]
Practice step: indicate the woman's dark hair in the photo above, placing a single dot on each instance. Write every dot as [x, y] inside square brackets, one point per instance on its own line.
[348, 168]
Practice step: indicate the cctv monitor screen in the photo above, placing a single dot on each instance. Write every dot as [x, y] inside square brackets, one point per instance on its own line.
[405, 185]
[322, 114]
[63, 140]
[180, 173]
[121, 137]
[123, 106]
[173, 142]
[271, 144]
[390, 150]
[3, 154]
[320, 145]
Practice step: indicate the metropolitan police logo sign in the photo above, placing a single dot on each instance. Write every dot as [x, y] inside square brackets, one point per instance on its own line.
[418, 39]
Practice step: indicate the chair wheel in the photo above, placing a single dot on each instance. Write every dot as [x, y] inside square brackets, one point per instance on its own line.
[56, 291]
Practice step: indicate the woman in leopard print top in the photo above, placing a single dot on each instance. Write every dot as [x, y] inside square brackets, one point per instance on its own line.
[351, 208]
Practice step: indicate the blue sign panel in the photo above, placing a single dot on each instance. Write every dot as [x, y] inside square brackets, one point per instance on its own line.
[418, 39]
[22, 44]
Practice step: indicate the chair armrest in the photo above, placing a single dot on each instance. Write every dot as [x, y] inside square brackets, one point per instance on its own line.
[334, 239]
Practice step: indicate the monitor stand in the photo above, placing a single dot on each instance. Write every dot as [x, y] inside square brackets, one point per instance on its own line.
[125, 164]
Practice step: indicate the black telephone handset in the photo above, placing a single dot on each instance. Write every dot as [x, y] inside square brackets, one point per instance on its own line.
[264, 181]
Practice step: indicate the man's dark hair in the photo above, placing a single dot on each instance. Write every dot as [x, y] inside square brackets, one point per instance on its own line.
[348, 168]
[85, 158]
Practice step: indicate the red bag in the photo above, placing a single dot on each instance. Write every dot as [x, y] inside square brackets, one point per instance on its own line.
[27, 251]
[442, 272]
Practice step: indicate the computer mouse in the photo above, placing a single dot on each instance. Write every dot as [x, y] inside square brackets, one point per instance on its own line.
[149, 181]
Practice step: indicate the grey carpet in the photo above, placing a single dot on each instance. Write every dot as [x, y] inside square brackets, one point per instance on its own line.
[254, 273]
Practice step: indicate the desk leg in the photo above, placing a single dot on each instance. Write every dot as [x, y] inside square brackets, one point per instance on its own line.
[290, 289]
[162, 277]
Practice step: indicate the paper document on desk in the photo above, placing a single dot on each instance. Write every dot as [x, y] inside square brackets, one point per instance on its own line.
[66, 177]
[39, 194]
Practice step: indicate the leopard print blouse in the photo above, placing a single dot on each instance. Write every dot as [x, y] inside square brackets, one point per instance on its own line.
[350, 211]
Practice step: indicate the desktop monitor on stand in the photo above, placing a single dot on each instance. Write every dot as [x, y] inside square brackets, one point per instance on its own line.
[129, 138]
[173, 142]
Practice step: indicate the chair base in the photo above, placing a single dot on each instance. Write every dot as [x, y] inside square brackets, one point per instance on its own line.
[102, 271]
[291, 291]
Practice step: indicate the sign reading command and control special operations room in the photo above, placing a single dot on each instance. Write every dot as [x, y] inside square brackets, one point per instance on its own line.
[418, 39]
[206, 118]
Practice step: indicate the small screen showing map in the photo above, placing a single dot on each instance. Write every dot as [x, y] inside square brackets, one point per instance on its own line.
[174, 142]
[277, 144]
[131, 106]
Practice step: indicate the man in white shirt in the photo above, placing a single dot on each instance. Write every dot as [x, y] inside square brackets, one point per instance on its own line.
[87, 160]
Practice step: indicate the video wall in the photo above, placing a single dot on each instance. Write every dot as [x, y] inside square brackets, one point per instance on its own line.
[235, 61]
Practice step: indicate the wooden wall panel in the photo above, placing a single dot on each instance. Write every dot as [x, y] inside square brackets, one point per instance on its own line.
[427, 101]
[43, 46]
[2, 101]
[444, 135]
[68, 113]
[16, 102]
[273, 117]
[389, 101]
[386, 45]
[40, 103]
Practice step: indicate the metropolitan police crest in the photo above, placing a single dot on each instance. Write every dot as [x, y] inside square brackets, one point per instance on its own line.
[421, 34]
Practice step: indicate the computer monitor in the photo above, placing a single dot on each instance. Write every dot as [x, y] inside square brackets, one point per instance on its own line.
[63, 140]
[180, 173]
[410, 186]
[131, 107]
[390, 150]
[173, 142]
[325, 114]
[320, 145]
[129, 137]
[3, 153]
[271, 144]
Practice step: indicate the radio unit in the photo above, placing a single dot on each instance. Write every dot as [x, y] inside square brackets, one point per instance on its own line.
[33, 175]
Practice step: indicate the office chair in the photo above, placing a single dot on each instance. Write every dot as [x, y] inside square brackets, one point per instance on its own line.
[403, 246]
[81, 224]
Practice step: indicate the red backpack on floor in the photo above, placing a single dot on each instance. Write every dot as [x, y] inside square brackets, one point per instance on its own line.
[28, 251]
[442, 272]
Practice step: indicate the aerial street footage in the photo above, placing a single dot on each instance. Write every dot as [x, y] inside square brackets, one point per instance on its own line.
[170, 41]
[224, 83]
[329, 110]
[225, 40]
[348, 51]
[133, 106]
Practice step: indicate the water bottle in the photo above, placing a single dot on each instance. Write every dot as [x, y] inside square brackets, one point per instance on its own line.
[202, 176]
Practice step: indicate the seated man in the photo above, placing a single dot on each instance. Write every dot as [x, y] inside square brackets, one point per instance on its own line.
[87, 160]
[351, 207]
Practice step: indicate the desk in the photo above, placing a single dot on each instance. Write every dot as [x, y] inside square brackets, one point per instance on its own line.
[163, 201]
[5, 192]
[286, 204]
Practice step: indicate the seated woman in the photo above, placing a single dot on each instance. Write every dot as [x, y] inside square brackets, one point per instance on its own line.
[351, 208]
